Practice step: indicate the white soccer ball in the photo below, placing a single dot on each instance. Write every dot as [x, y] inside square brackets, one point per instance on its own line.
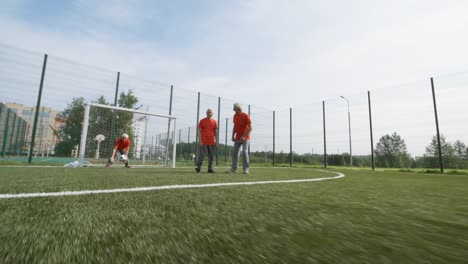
[123, 158]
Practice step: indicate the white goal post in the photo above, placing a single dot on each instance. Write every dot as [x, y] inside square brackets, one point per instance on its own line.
[103, 124]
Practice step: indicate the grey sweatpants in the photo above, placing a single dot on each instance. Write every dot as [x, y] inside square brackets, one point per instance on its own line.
[206, 150]
[245, 155]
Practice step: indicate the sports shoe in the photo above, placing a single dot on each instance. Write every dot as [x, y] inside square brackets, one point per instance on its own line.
[197, 170]
[211, 171]
[246, 172]
[231, 171]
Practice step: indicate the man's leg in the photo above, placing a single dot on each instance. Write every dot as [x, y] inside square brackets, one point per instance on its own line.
[235, 156]
[201, 156]
[210, 150]
[121, 152]
[245, 156]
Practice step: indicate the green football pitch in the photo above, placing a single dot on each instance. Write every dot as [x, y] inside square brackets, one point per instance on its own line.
[364, 217]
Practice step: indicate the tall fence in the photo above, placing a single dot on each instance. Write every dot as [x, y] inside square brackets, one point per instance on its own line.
[42, 97]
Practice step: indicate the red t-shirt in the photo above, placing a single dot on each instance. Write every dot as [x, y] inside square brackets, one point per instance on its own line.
[208, 128]
[122, 144]
[241, 125]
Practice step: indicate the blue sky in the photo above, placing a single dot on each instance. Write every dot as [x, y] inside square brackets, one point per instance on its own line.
[270, 53]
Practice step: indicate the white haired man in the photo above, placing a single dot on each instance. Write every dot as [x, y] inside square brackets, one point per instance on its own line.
[241, 137]
[122, 145]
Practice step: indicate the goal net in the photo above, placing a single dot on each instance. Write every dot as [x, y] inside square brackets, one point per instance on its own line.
[152, 136]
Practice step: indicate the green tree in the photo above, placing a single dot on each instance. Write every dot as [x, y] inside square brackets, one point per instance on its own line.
[431, 157]
[460, 149]
[124, 119]
[460, 155]
[390, 152]
[71, 132]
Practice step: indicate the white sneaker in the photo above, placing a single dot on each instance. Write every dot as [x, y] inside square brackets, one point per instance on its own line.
[231, 171]
[246, 172]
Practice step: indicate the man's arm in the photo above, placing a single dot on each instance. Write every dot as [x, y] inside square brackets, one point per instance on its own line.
[233, 133]
[113, 153]
[199, 137]
[247, 133]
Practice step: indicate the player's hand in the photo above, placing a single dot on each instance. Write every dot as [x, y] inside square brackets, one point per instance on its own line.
[234, 139]
[111, 159]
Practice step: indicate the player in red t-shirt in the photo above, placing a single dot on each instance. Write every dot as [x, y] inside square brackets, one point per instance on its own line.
[122, 145]
[241, 137]
[207, 131]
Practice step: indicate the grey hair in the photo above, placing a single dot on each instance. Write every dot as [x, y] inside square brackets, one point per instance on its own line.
[237, 106]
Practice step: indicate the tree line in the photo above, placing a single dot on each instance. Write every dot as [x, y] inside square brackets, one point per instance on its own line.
[390, 152]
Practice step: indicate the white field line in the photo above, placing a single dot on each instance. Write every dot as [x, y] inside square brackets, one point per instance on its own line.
[166, 187]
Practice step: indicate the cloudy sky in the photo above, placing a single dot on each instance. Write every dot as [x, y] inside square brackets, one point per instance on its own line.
[273, 54]
[247, 47]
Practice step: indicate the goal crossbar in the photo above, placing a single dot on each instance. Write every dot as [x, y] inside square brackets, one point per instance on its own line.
[84, 131]
[129, 110]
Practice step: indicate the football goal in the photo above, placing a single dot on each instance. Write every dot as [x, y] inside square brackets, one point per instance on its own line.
[152, 136]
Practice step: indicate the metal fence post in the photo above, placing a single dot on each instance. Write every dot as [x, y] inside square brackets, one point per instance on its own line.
[188, 135]
[18, 133]
[15, 116]
[274, 134]
[324, 138]
[371, 130]
[290, 138]
[114, 113]
[5, 133]
[250, 141]
[197, 148]
[38, 104]
[225, 142]
[217, 128]
[169, 127]
[441, 162]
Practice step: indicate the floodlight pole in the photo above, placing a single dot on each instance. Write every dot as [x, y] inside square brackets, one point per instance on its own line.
[349, 133]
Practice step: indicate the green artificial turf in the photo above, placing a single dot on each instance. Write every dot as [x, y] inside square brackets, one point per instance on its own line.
[366, 217]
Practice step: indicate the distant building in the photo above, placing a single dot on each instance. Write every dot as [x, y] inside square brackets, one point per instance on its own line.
[12, 131]
[138, 127]
[48, 126]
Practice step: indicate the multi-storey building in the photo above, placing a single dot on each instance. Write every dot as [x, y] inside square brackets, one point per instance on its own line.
[47, 127]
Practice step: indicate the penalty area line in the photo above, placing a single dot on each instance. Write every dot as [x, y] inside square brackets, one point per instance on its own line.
[159, 188]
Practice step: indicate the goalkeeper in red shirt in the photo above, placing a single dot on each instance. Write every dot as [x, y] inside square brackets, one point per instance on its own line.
[122, 145]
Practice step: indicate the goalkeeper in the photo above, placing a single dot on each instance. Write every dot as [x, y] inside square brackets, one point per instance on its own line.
[122, 145]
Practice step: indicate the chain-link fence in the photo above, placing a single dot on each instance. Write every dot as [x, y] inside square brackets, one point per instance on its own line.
[397, 126]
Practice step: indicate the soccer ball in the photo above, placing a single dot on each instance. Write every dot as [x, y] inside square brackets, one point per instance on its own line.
[123, 158]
